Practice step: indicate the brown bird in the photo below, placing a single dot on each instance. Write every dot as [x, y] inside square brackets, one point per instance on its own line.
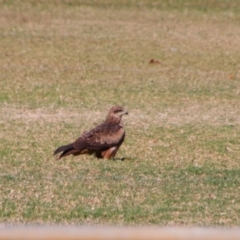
[103, 141]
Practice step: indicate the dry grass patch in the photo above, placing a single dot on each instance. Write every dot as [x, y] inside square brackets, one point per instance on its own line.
[213, 113]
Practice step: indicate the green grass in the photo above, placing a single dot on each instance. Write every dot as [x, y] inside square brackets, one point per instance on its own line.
[64, 63]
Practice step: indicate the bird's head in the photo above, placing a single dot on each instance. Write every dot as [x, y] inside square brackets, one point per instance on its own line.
[116, 112]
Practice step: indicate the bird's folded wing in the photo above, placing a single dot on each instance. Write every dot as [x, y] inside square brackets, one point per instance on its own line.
[103, 136]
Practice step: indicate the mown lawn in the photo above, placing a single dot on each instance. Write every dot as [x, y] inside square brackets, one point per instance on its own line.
[63, 64]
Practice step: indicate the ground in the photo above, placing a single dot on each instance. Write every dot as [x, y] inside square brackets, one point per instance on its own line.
[65, 63]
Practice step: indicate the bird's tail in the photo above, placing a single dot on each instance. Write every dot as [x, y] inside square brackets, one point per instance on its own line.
[66, 150]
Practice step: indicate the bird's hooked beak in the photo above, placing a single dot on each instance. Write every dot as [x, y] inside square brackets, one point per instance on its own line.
[125, 112]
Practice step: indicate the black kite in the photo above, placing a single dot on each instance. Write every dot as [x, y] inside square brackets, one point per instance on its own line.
[103, 141]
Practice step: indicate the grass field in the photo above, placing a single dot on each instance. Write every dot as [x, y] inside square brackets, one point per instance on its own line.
[63, 64]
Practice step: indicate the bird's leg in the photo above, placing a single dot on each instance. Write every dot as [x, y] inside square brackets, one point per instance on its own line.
[110, 153]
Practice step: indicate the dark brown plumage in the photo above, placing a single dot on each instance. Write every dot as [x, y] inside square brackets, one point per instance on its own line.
[103, 141]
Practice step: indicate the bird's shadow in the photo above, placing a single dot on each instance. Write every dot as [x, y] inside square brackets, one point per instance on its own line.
[121, 159]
